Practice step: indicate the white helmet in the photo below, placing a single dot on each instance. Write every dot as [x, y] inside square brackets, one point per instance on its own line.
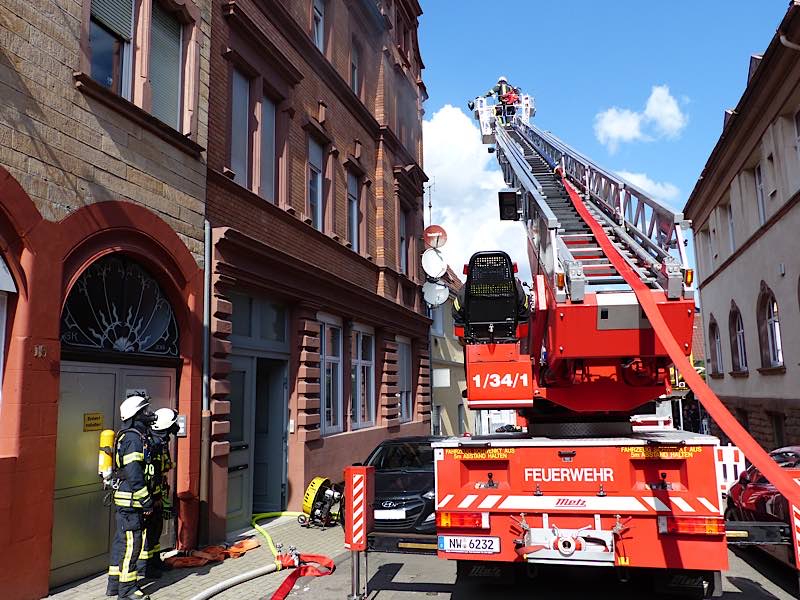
[165, 418]
[502, 79]
[131, 406]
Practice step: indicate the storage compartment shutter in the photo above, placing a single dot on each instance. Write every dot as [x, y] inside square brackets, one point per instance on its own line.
[165, 65]
[116, 15]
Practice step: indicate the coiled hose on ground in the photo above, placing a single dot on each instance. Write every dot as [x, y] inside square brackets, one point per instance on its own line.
[277, 565]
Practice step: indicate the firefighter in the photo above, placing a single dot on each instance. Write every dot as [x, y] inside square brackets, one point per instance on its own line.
[132, 498]
[507, 95]
[165, 425]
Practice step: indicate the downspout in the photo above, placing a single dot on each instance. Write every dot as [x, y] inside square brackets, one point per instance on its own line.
[205, 415]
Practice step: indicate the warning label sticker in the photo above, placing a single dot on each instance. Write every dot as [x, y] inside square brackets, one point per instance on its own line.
[662, 452]
[480, 453]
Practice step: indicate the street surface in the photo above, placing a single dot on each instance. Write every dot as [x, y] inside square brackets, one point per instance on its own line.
[407, 577]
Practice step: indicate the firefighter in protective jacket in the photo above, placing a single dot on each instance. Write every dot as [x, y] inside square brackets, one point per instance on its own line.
[131, 497]
[165, 425]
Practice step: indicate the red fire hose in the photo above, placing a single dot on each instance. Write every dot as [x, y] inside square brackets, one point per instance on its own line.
[724, 419]
[305, 568]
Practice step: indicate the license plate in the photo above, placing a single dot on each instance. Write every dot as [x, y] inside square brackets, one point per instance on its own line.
[394, 514]
[465, 544]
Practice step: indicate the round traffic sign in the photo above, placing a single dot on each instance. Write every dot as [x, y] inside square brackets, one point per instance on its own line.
[435, 236]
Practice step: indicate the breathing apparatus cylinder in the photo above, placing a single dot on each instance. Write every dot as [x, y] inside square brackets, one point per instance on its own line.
[105, 456]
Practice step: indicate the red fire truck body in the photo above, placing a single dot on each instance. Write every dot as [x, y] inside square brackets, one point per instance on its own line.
[611, 308]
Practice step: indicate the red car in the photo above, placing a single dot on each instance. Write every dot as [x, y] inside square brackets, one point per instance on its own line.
[753, 498]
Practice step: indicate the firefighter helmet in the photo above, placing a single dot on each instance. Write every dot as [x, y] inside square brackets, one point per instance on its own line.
[502, 79]
[133, 405]
[165, 418]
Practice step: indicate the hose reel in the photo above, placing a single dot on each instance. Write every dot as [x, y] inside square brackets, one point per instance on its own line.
[318, 502]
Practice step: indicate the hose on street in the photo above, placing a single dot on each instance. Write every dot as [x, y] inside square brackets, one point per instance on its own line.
[303, 564]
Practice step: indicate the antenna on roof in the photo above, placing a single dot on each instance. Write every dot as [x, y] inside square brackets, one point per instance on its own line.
[429, 187]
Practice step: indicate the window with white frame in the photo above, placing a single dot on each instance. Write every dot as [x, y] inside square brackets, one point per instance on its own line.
[362, 372]
[110, 35]
[240, 128]
[731, 228]
[315, 172]
[166, 60]
[318, 24]
[267, 139]
[331, 388]
[738, 347]
[402, 233]
[436, 420]
[774, 333]
[353, 210]
[709, 248]
[462, 420]
[355, 69]
[762, 208]
[405, 381]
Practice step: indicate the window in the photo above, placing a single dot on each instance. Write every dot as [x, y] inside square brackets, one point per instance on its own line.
[362, 351]
[240, 128]
[728, 209]
[355, 71]
[166, 65]
[797, 133]
[743, 417]
[778, 432]
[331, 389]
[402, 227]
[462, 420]
[267, 135]
[315, 197]
[318, 24]
[437, 314]
[436, 420]
[774, 334]
[353, 210]
[404, 382]
[110, 33]
[710, 248]
[738, 348]
[716, 348]
[762, 209]
[769, 329]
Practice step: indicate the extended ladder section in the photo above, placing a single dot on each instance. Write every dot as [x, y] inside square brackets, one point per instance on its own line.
[648, 235]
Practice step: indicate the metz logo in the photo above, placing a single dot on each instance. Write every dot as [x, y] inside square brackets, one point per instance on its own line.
[571, 502]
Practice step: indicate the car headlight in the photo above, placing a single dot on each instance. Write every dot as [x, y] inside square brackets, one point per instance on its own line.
[430, 517]
[429, 495]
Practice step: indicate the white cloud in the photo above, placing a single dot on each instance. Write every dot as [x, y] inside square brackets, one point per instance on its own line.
[617, 125]
[663, 110]
[661, 117]
[467, 180]
[663, 191]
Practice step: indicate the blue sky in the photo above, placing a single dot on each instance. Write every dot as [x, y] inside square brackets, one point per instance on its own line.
[598, 71]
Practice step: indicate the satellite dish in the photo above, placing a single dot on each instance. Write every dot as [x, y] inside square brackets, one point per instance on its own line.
[435, 236]
[433, 263]
[435, 293]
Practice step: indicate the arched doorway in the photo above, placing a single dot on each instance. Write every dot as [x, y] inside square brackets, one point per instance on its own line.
[119, 336]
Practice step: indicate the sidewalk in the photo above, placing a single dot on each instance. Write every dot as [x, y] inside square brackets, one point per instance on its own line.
[183, 584]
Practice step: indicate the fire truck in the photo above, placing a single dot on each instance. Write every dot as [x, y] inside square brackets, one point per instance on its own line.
[609, 313]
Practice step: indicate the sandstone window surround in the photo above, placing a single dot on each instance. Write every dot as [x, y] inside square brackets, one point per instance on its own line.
[769, 332]
[156, 67]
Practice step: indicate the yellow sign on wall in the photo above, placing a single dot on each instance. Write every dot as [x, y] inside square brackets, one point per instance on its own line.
[93, 421]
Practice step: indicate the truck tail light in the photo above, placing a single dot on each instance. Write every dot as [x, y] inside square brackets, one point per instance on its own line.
[462, 520]
[691, 525]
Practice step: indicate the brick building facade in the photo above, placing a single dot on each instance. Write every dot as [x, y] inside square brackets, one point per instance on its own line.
[745, 216]
[315, 198]
[102, 179]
